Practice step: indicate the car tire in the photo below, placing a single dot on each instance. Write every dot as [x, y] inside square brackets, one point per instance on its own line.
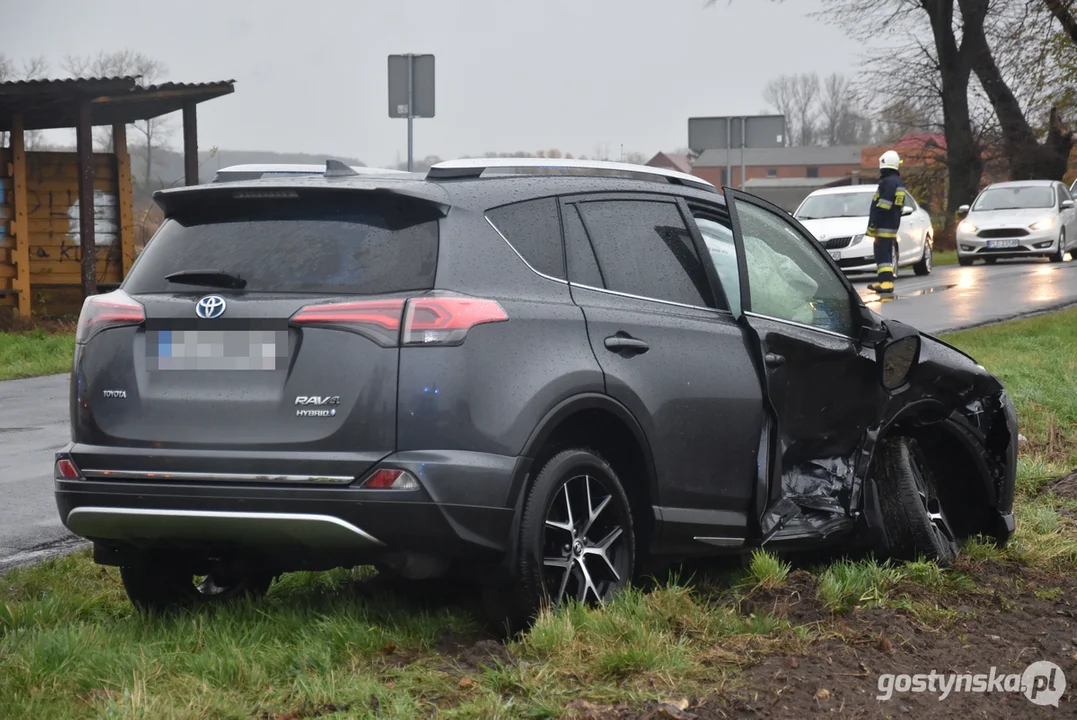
[1060, 256]
[159, 589]
[915, 523]
[924, 266]
[990, 261]
[592, 561]
[964, 261]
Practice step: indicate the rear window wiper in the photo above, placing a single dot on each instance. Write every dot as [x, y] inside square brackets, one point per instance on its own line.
[209, 278]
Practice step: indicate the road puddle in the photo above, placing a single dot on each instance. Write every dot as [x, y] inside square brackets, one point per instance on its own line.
[882, 299]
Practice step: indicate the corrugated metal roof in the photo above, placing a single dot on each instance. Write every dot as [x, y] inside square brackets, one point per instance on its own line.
[53, 103]
[776, 157]
[185, 86]
[67, 85]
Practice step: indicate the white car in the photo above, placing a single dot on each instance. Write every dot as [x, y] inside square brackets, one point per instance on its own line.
[838, 218]
[1017, 219]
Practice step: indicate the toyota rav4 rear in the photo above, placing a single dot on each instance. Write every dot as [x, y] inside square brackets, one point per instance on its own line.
[234, 406]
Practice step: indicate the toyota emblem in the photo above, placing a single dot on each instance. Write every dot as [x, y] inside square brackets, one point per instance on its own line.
[210, 307]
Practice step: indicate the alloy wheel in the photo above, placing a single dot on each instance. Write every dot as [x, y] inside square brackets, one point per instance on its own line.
[933, 507]
[585, 557]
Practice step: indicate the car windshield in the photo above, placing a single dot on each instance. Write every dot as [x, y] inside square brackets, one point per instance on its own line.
[1015, 198]
[833, 205]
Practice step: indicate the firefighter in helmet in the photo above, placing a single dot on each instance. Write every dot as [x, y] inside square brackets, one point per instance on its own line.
[885, 219]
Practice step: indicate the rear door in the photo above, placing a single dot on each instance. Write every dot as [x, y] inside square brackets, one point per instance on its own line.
[292, 368]
[820, 384]
[671, 353]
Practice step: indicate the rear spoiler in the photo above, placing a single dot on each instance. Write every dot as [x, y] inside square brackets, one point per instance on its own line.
[337, 179]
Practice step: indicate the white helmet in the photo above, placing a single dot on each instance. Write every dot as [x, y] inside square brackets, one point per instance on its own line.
[889, 160]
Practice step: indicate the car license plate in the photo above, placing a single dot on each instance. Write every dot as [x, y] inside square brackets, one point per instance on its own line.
[992, 244]
[835, 254]
[217, 349]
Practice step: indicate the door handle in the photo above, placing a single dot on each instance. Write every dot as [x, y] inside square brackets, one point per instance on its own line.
[626, 343]
[774, 360]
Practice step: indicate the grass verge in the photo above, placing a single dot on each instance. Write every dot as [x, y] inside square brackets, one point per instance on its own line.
[944, 257]
[342, 644]
[34, 353]
[33, 348]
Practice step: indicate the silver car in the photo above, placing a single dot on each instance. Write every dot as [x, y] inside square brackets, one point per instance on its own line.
[838, 218]
[1018, 219]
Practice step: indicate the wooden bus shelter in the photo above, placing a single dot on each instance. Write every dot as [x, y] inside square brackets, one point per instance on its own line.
[66, 219]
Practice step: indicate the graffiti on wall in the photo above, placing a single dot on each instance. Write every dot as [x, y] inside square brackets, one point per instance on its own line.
[105, 223]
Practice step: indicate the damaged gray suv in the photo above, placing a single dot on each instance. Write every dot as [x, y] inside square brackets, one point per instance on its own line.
[543, 375]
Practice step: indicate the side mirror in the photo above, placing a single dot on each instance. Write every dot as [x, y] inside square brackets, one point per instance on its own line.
[872, 329]
[906, 210]
[1067, 204]
[898, 356]
[963, 211]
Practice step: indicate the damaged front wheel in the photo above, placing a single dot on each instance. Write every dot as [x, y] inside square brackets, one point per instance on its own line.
[915, 522]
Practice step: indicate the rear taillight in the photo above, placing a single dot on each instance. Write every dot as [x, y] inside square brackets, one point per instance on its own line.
[390, 479]
[378, 320]
[100, 312]
[429, 320]
[445, 320]
[66, 470]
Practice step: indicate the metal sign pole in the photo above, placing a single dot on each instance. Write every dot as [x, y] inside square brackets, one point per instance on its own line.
[728, 152]
[411, 108]
[743, 140]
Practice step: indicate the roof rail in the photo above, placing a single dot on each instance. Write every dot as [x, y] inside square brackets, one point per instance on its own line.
[473, 168]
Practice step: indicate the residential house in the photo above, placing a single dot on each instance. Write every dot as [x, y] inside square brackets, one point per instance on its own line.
[671, 161]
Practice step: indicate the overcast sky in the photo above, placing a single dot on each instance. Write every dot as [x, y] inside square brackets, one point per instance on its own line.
[511, 75]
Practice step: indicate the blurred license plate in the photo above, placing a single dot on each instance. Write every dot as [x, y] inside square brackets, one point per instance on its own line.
[1001, 243]
[217, 349]
[835, 254]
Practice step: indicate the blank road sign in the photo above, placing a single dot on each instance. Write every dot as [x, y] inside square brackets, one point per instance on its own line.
[422, 79]
[759, 131]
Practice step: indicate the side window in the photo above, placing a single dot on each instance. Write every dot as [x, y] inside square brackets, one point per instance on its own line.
[582, 266]
[1063, 193]
[788, 277]
[534, 229]
[645, 249]
[717, 232]
[910, 201]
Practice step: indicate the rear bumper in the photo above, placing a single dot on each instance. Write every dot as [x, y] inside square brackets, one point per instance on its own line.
[460, 511]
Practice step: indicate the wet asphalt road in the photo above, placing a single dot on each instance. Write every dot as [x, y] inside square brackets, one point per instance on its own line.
[34, 420]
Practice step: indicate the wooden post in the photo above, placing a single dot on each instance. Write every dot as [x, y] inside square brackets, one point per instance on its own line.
[87, 241]
[124, 196]
[21, 228]
[190, 143]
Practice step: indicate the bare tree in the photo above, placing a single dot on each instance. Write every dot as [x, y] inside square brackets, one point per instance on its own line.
[805, 95]
[34, 68]
[1026, 157]
[779, 94]
[147, 71]
[795, 97]
[836, 108]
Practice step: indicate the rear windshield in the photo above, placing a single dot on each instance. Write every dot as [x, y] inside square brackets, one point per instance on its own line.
[282, 246]
[835, 205]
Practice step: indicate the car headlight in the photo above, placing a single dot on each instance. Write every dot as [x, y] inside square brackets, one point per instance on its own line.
[967, 227]
[856, 239]
[1046, 224]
